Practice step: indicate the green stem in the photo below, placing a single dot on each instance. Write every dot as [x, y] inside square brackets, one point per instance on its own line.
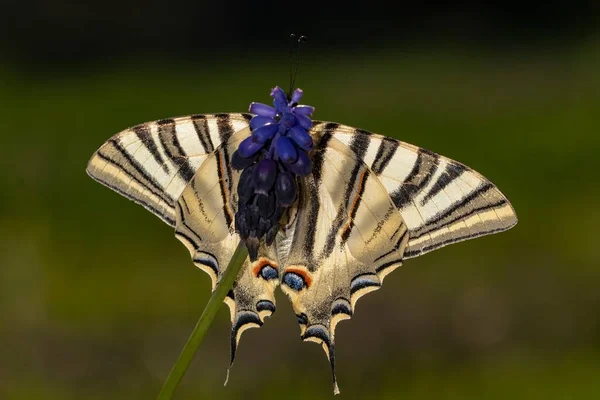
[215, 301]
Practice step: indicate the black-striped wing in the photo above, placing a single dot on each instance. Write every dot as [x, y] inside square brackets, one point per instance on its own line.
[441, 200]
[152, 163]
[180, 170]
[347, 237]
[369, 203]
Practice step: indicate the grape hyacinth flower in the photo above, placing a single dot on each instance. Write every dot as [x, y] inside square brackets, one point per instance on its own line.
[271, 159]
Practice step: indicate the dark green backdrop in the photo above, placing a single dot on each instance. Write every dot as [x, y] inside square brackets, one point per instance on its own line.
[97, 297]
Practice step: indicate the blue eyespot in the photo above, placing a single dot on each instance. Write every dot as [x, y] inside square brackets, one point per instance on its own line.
[268, 272]
[293, 280]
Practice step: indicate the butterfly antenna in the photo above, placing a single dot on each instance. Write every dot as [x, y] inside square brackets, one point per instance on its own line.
[301, 39]
[293, 41]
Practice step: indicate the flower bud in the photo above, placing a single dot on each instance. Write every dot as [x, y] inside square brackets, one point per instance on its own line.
[278, 94]
[258, 120]
[239, 162]
[286, 150]
[264, 133]
[271, 234]
[249, 147]
[304, 121]
[264, 175]
[263, 226]
[262, 110]
[304, 110]
[288, 120]
[252, 243]
[266, 204]
[278, 214]
[297, 95]
[252, 217]
[302, 166]
[301, 137]
[246, 185]
[285, 189]
[240, 224]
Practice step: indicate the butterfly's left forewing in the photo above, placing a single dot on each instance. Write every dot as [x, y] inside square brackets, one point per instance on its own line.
[348, 235]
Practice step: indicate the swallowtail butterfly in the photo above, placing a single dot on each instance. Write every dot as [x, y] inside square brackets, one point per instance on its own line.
[327, 210]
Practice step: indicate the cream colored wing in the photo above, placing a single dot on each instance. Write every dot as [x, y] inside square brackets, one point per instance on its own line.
[442, 201]
[152, 163]
[204, 224]
[347, 237]
[179, 169]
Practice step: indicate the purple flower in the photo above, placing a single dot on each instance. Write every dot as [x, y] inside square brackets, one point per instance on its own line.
[302, 166]
[249, 147]
[272, 159]
[301, 138]
[264, 133]
[262, 110]
[265, 174]
[285, 189]
[279, 95]
[285, 150]
[296, 96]
[259, 121]
[304, 110]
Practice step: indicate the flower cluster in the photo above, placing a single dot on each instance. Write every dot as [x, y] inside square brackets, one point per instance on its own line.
[271, 159]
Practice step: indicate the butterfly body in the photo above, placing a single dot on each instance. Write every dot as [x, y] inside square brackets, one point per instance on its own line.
[368, 203]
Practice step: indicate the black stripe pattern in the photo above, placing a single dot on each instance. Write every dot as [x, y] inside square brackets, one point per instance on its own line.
[313, 192]
[385, 152]
[168, 144]
[419, 177]
[143, 134]
[201, 127]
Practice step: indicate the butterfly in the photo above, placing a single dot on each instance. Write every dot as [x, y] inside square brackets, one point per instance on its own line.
[357, 207]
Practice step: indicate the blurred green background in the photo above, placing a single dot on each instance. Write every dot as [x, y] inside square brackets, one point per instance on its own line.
[97, 297]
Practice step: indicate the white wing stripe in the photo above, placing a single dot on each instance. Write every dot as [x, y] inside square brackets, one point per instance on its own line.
[189, 140]
[400, 165]
[138, 169]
